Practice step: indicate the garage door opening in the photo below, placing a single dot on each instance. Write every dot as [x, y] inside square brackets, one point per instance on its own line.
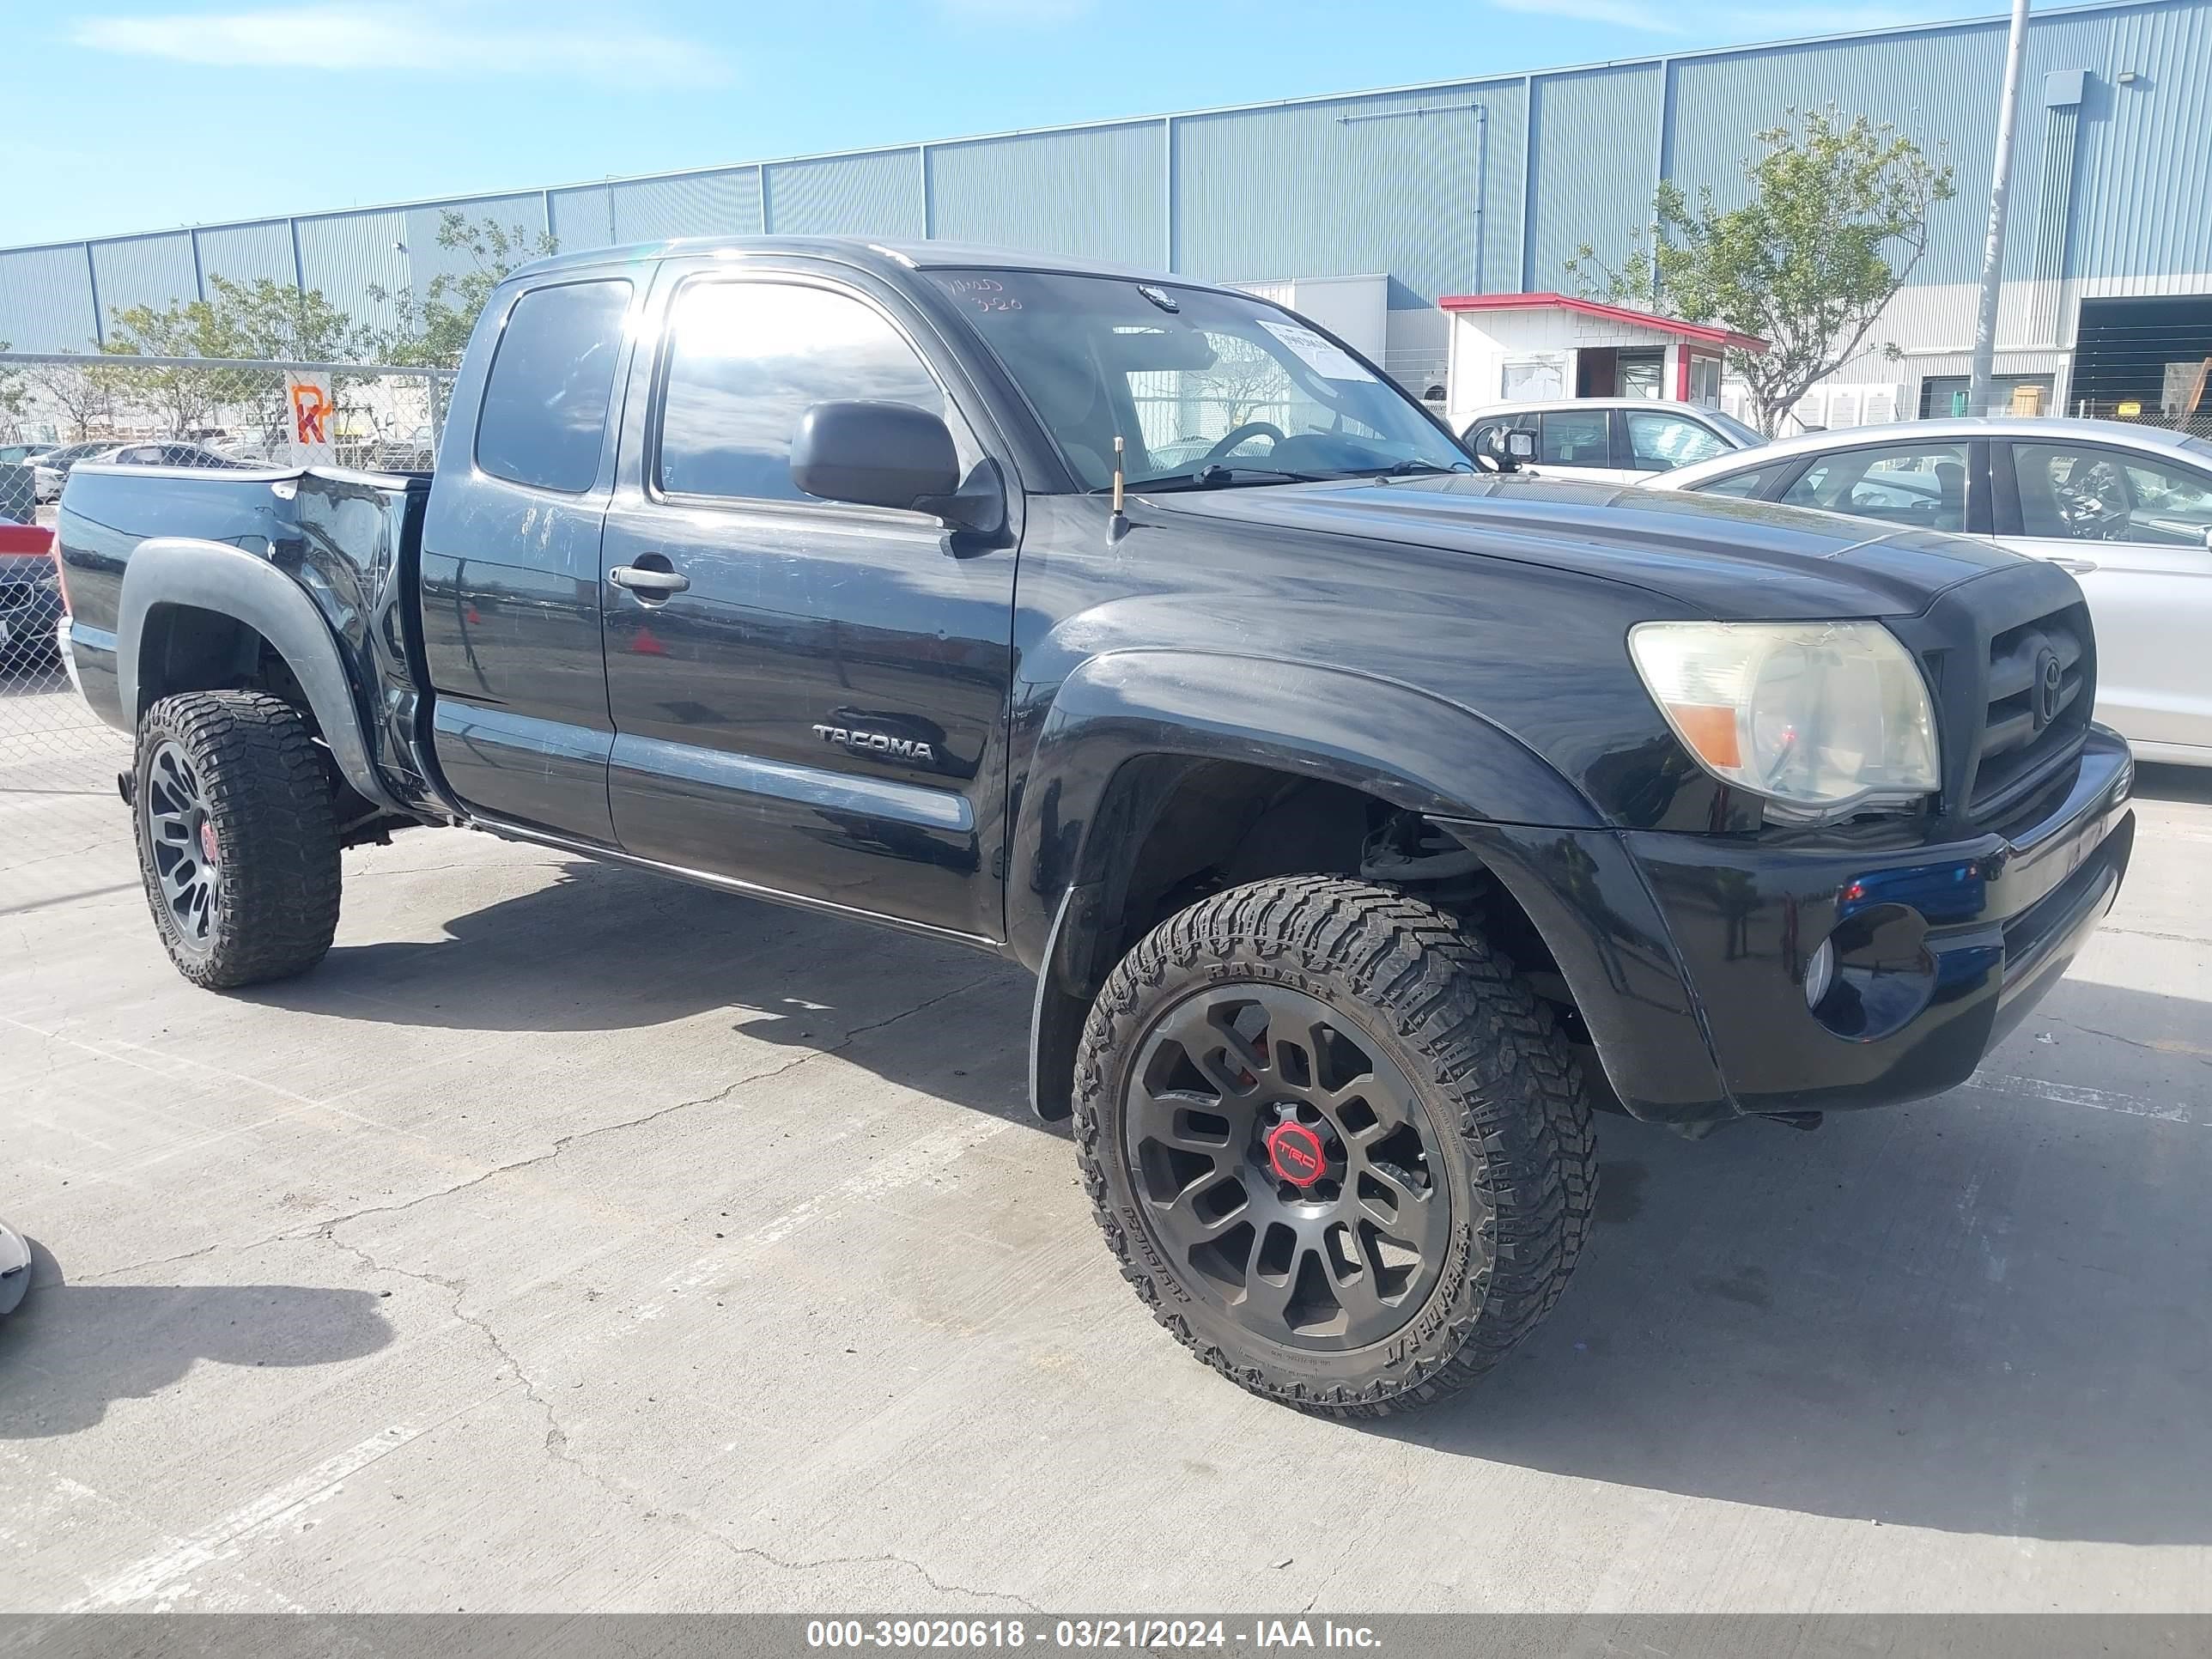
[2146, 360]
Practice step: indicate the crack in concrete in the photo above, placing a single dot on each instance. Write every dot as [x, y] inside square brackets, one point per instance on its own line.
[2153, 932]
[66, 853]
[887, 1557]
[556, 1442]
[559, 1448]
[557, 1437]
[561, 1145]
[2194, 1056]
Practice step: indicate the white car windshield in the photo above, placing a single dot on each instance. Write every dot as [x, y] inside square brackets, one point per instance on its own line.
[1203, 389]
[1747, 437]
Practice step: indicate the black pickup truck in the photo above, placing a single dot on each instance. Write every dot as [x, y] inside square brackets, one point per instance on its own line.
[1366, 817]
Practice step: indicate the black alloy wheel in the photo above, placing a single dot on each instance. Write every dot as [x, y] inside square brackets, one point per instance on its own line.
[183, 851]
[1287, 1163]
[1338, 1145]
[237, 838]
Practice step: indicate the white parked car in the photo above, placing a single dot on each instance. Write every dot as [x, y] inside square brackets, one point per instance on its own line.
[2127, 509]
[51, 470]
[1612, 440]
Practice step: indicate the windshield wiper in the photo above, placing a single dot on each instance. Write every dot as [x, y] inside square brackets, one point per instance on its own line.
[1219, 477]
[1405, 469]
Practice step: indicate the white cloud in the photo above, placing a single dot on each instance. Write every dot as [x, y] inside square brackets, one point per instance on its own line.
[341, 34]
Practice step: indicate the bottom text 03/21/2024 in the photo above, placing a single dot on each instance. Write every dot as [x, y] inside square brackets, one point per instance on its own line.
[1087, 1635]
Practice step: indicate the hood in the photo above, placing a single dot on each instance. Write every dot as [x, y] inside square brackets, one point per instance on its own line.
[1732, 560]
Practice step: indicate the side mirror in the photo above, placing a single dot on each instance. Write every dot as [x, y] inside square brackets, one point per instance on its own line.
[874, 454]
[880, 454]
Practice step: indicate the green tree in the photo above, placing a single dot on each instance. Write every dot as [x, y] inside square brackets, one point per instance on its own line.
[181, 400]
[15, 397]
[1834, 219]
[259, 318]
[432, 328]
[86, 400]
[265, 319]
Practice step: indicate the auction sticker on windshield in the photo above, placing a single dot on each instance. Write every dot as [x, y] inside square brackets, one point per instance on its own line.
[1330, 361]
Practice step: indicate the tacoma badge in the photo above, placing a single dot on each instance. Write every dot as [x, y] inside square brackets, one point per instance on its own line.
[878, 743]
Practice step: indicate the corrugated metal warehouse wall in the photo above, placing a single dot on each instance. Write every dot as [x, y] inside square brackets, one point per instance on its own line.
[1489, 184]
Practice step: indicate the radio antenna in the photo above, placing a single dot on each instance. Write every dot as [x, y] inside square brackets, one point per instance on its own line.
[1118, 525]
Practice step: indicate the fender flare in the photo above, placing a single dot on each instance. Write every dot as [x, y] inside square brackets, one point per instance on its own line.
[246, 588]
[1333, 725]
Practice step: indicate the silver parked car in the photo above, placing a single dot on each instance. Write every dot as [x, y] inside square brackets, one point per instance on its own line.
[169, 452]
[2127, 509]
[50, 471]
[1612, 440]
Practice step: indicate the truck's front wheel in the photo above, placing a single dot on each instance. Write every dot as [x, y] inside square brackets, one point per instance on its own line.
[1335, 1142]
[238, 843]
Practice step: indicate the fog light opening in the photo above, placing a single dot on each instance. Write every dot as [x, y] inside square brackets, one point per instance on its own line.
[1872, 976]
[1820, 973]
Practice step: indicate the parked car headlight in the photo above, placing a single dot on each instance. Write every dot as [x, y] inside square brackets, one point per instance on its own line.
[1821, 719]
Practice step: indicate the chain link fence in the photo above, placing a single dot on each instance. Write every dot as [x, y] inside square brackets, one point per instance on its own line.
[58, 762]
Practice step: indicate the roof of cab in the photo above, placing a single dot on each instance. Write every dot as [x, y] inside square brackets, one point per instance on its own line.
[886, 257]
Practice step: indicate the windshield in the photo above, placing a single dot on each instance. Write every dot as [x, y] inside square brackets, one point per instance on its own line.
[1192, 380]
[1747, 437]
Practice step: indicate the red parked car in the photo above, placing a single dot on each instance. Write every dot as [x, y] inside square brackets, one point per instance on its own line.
[30, 596]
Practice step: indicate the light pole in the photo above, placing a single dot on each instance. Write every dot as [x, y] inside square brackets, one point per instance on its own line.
[1985, 316]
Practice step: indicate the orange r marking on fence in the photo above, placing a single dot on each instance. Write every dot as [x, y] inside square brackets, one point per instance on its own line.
[311, 412]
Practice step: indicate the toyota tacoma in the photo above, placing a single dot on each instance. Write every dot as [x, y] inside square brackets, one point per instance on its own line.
[1367, 818]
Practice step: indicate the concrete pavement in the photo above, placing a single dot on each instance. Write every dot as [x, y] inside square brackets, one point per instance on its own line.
[575, 1241]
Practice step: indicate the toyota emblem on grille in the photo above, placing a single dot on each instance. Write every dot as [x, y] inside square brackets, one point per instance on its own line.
[2050, 687]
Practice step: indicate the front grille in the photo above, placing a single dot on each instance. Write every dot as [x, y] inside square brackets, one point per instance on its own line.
[14, 594]
[2038, 691]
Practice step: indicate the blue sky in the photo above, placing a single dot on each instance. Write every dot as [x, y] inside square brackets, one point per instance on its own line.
[125, 115]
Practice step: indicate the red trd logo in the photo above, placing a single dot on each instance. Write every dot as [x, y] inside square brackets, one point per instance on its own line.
[1296, 1154]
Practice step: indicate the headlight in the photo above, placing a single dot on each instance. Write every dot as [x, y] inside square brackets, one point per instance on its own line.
[1820, 718]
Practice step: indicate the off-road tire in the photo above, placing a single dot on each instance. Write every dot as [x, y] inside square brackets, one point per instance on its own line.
[267, 790]
[1477, 1048]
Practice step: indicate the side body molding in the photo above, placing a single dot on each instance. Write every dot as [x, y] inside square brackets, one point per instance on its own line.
[246, 587]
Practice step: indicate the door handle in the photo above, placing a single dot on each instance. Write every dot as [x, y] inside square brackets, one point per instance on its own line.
[648, 583]
[2079, 566]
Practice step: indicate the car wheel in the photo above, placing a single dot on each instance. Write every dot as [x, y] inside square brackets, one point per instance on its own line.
[1335, 1142]
[238, 844]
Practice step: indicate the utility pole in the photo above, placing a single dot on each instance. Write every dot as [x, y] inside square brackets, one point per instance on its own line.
[1985, 317]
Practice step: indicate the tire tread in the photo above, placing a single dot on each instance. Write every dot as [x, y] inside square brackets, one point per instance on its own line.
[1489, 1049]
[269, 789]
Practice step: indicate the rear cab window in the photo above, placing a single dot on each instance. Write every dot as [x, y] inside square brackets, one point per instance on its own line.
[543, 418]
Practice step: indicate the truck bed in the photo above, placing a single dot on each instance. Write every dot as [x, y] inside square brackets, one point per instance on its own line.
[346, 538]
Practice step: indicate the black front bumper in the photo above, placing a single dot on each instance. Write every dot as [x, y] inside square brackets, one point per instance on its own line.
[1687, 955]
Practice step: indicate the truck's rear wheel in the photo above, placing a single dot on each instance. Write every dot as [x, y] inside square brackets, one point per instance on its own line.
[1337, 1144]
[238, 843]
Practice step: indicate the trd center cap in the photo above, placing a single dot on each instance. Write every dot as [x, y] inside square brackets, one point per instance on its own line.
[1296, 1153]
